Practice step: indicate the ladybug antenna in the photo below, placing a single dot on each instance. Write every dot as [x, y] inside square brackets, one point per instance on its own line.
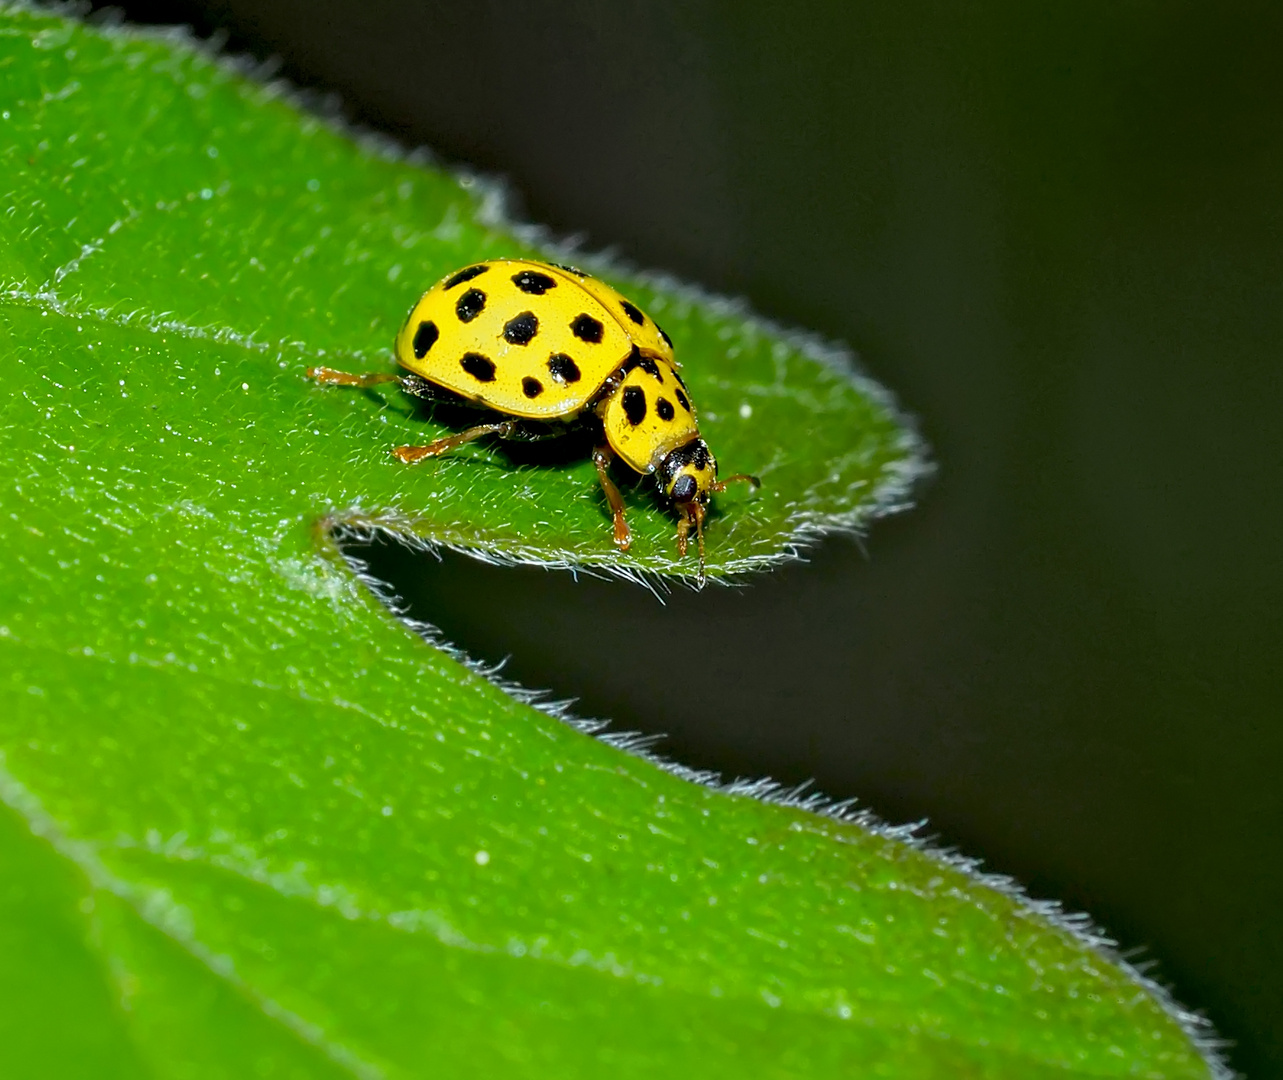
[720, 486]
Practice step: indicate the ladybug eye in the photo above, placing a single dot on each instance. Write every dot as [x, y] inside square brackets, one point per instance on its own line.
[684, 489]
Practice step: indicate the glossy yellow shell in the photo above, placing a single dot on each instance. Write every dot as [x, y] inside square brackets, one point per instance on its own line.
[525, 338]
[649, 415]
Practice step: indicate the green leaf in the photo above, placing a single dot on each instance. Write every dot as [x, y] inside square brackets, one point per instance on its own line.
[252, 824]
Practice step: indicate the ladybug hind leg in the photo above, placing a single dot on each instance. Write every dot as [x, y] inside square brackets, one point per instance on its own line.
[414, 385]
[330, 377]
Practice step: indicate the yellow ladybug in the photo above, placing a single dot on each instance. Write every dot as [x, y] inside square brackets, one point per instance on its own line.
[546, 346]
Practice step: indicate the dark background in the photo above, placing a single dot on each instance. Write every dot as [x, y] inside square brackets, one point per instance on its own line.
[1056, 232]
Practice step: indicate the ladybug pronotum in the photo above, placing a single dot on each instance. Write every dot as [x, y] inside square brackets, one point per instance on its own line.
[543, 347]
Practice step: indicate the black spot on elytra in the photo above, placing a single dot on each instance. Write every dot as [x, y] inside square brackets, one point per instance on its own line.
[479, 367]
[521, 328]
[533, 282]
[532, 388]
[562, 368]
[665, 408]
[650, 367]
[465, 275]
[634, 404]
[570, 269]
[667, 340]
[586, 328]
[470, 305]
[633, 312]
[424, 338]
[683, 401]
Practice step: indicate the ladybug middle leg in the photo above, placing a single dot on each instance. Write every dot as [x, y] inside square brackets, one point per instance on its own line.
[417, 387]
[410, 454]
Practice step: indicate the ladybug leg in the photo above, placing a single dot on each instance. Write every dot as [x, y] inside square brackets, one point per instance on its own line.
[415, 385]
[692, 514]
[411, 454]
[341, 378]
[601, 458]
[697, 512]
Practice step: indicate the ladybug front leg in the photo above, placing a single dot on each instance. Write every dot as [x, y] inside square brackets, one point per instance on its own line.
[692, 515]
[601, 458]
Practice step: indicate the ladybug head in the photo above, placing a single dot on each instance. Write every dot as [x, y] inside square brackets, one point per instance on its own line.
[688, 474]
